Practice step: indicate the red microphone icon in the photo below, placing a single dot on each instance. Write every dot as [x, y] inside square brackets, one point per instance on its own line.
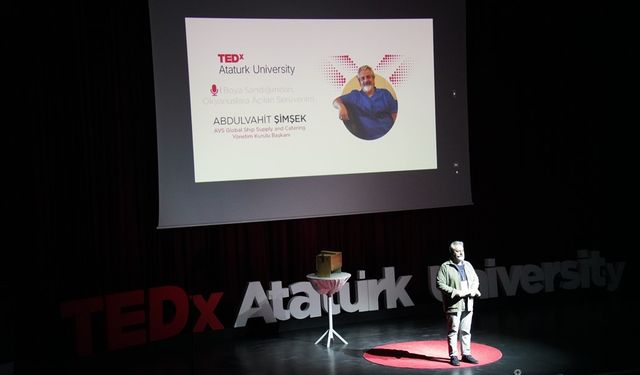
[214, 90]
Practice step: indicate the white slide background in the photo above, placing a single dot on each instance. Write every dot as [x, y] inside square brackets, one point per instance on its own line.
[320, 145]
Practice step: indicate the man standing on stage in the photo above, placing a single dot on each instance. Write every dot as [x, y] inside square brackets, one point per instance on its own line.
[458, 282]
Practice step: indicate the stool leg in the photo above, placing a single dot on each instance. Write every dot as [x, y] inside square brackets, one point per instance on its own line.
[330, 303]
[321, 337]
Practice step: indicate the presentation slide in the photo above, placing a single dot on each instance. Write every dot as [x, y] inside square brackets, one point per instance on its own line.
[262, 97]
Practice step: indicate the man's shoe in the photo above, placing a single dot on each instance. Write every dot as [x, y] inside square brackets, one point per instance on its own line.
[454, 361]
[469, 359]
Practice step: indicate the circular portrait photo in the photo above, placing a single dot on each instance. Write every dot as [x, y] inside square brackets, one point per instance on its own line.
[368, 105]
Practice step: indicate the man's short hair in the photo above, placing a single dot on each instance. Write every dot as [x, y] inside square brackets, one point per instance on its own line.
[366, 67]
[456, 245]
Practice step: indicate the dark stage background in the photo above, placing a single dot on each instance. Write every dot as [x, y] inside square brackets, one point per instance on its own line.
[551, 163]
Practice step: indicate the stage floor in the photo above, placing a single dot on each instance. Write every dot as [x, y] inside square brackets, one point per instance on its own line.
[536, 335]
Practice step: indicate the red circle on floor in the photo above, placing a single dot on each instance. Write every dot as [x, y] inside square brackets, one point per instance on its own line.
[427, 355]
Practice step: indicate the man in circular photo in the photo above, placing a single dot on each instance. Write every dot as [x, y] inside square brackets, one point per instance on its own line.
[368, 113]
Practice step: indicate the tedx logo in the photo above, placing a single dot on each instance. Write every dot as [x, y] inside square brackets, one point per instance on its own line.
[230, 57]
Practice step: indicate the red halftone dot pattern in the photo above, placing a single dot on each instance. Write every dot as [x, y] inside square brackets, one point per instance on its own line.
[345, 62]
[387, 61]
[332, 75]
[336, 67]
[401, 73]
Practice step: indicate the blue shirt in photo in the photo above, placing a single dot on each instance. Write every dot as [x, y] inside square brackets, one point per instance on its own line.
[370, 117]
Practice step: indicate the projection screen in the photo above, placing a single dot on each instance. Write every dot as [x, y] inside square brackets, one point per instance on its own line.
[270, 112]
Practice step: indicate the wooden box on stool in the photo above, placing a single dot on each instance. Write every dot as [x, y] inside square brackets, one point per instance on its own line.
[328, 262]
